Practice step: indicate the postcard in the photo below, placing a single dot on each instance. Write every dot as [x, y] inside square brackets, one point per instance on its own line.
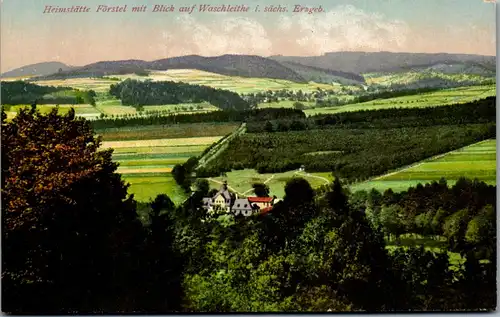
[268, 156]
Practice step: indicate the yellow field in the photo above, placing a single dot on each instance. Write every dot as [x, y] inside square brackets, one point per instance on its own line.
[233, 83]
[161, 142]
[96, 84]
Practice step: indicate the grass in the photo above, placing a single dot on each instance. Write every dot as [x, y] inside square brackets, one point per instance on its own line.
[161, 142]
[387, 79]
[167, 131]
[431, 99]
[233, 83]
[241, 181]
[475, 161]
[285, 104]
[96, 84]
[81, 110]
[147, 186]
[147, 164]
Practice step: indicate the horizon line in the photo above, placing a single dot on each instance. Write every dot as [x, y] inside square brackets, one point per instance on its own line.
[229, 54]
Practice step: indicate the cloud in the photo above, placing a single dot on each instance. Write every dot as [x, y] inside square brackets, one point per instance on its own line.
[226, 35]
[345, 28]
[342, 28]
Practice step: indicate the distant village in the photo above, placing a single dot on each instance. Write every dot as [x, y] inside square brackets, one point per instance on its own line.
[225, 201]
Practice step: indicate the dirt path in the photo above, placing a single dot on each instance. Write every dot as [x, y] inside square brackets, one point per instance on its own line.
[314, 176]
[217, 149]
[229, 187]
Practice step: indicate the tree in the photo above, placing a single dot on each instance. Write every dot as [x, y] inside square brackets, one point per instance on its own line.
[261, 190]
[299, 105]
[161, 263]
[454, 229]
[69, 230]
[202, 186]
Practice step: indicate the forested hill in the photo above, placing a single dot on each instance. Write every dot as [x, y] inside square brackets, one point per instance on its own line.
[231, 65]
[364, 62]
[139, 93]
[21, 93]
[39, 69]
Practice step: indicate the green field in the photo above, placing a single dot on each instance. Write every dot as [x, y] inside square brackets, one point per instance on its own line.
[285, 104]
[146, 186]
[145, 161]
[241, 181]
[233, 83]
[474, 161]
[431, 99]
[81, 110]
[388, 79]
[168, 131]
[96, 84]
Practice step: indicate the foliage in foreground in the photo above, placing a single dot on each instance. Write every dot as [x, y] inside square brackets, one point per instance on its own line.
[73, 243]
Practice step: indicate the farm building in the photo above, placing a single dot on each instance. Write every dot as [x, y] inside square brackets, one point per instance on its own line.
[225, 201]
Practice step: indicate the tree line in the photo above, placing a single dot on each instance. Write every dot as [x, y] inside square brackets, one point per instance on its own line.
[22, 93]
[73, 242]
[141, 93]
[213, 116]
[479, 111]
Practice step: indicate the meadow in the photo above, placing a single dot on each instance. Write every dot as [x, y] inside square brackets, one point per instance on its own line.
[81, 110]
[241, 181]
[431, 99]
[146, 155]
[232, 83]
[475, 161]
[170, 131]
[388, 79]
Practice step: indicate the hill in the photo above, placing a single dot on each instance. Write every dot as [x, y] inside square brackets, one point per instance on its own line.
[322, 75]
[39, 69]
[365, 62]
[231, 65]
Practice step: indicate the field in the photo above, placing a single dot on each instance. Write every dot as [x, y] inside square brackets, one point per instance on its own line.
[96, 84]
[171, 131]
[233, 83]
[437, 98]
[388, 79]
[81, 110]
[285, 104]
[475, 161]
[241, 181]
[146, 155]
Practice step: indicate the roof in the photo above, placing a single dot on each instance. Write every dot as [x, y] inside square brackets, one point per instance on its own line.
[241, 204]
[226, 194]
[260, 199]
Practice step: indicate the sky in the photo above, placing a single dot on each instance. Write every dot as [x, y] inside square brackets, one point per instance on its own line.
[29, 36]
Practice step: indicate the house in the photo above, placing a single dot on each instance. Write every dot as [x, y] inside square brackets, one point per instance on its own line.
[221, 201]
[226, 202]
[242, 207]
[261, 202]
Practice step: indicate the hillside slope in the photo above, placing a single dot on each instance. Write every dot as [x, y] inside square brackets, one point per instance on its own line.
[39, 69]
[231, 65]
[365, 62]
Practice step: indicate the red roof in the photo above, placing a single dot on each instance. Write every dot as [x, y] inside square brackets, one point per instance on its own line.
[266, 210]
[260, 199]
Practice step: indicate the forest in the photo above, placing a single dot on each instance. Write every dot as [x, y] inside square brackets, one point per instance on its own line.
[214, 116]
[73, 241]
[141, 93]
[353, 154]
[24, 93]
[480, 111]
